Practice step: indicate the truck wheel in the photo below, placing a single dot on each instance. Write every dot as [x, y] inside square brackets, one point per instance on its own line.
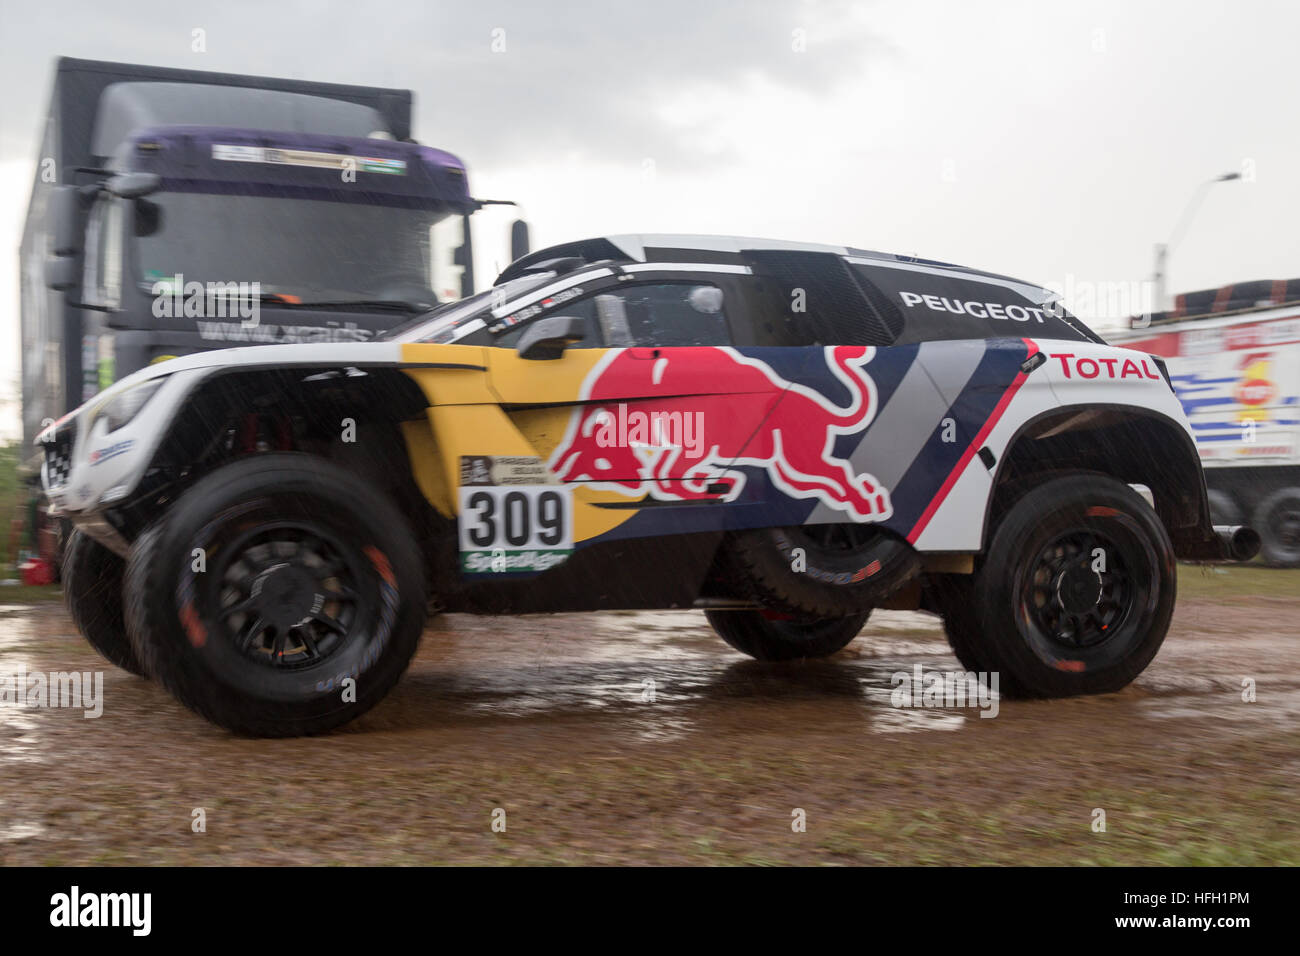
[819, 571]
[92, 587]
[1223, 510]
[1075, 592]
[1277, 519]
[767, 636]
[279, 596]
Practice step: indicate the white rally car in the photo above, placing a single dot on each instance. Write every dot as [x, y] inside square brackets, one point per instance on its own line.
[783, 435]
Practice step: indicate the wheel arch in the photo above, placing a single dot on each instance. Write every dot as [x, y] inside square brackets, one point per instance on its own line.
[1133, 445]
[314, 402]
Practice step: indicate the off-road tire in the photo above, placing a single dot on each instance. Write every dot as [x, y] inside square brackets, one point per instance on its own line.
[177, 607]
[92, 588]
[1033, 617]
[825, 581]
[768, 636]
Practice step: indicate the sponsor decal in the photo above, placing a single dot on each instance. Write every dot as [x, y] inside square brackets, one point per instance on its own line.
[973, 308]
[272, 334]
[111, 451]
[1246, 336]
[537, 308]
[1139, 367]
[504, 470]
[793, 440]
[517, 524]
[1256, 386]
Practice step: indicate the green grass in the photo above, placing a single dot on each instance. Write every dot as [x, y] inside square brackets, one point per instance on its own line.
[23, 594]
[1237, 582]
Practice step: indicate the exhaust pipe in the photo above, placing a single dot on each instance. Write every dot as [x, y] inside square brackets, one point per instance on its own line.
[1239, 542]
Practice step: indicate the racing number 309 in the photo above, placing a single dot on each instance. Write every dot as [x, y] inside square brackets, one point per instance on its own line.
[515, 518]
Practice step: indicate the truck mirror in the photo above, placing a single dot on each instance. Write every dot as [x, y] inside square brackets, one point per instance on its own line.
[63, 219]
[548, 338]
[134, 185]
[519, 244]
[60, 272]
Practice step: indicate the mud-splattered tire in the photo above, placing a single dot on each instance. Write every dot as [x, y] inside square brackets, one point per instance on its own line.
[819, 571]
[92, 588]
[267, 586]
[1277, 519]
[770, 637]
[954, 596]
[1075, 592]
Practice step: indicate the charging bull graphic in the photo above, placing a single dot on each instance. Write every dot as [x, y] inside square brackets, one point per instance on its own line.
[675, 424]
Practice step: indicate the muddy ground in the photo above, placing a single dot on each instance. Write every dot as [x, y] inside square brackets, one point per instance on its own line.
[641, 738]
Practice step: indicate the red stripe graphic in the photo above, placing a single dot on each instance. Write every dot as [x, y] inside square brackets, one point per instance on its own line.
[972, 449]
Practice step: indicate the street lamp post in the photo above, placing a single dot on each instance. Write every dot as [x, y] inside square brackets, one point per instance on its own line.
[1164, 248]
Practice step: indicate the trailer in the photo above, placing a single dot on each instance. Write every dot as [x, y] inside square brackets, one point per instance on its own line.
[1233, 355]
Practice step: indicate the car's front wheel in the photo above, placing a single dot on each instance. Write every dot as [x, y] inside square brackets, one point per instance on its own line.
[1074, 594]
[279, 596]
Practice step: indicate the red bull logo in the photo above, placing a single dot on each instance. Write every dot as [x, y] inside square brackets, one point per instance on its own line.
[677, 424]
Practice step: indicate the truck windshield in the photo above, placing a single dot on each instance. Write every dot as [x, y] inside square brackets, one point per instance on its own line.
[300, 251]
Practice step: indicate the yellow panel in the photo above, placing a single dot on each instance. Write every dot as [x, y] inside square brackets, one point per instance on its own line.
[466, 418]
[449, 386]
[423, 453]
[520, 381]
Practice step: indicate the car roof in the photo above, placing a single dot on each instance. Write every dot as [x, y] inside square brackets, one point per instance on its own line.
[684, 247]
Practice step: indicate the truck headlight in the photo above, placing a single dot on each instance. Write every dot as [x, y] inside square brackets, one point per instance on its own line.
[126, 406]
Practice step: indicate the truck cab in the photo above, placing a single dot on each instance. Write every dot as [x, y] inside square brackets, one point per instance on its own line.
[176, 212]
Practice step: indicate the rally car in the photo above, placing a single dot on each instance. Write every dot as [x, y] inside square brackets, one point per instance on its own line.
[783, 435]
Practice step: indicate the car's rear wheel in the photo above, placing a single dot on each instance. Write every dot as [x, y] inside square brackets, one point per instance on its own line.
[819, 571]
[1074, 594]
[772, 636]
[92, 588]
[279, 596]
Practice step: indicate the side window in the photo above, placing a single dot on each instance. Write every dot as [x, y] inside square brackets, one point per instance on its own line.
[581, 308]
[663, 314]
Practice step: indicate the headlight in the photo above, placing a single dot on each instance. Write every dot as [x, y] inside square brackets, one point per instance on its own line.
[126, 406]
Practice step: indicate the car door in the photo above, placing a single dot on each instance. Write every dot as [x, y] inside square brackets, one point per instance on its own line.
[662, 409]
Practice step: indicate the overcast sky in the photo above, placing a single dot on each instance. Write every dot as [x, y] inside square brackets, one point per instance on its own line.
[1056, 142]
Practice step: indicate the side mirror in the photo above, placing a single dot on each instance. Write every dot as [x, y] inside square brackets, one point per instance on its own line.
[60, 273]
[63, 220]
[548, 338]
[519, 240]
[134, 185]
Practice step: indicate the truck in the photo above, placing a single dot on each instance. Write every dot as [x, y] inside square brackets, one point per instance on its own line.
[1233, 354]
[176, 211]
[783, 435]
[153, 183]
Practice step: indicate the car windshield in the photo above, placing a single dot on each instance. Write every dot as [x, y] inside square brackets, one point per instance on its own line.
[441, 324]
[300, 251]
